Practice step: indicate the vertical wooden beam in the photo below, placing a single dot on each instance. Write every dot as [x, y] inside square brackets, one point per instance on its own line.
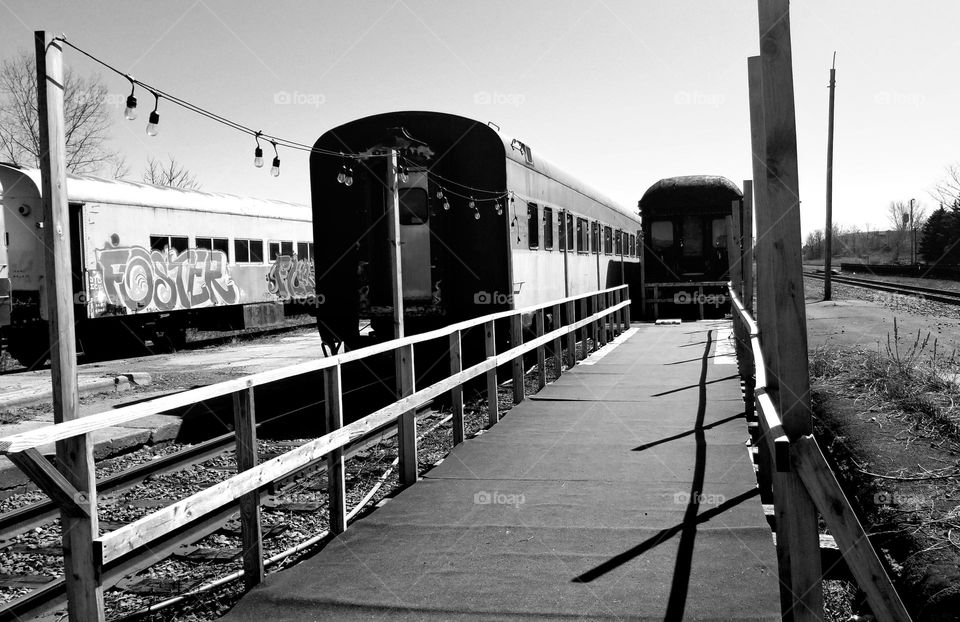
[602, 322]
[407, 423]
[734, 254]
[594, 303]
[393, 235]
[456, 394]
[626, 317]
[557, 344]
[75, 455]
[571, 336]
[336, 471]
[251, 540]
[782, 206]
[746, 237]
[541, 352]
[583, 331]
[828, 230]
[490, 348]
[516, 338]
[616, 314]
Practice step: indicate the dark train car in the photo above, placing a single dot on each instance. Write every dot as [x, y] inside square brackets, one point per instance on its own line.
[686, 221]
[486, 225]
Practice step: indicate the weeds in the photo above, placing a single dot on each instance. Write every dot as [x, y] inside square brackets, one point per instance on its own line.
[912, 376]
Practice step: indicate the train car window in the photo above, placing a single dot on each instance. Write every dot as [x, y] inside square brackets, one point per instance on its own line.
[570, 238]
[720, 233]
[607, 240]
[413, 206]
[595, 236]
[548, 228]
[533, 225]
[633, 246]
[618, 242]
[179, 243]
[273, 250]
[214, 244]
[164, 242]
[256, 251]
[310, 250]
[302, 252]
[159, 242]
[661, 234]
[286, 248]
[583, 235]
[205, 243]
[241, 251]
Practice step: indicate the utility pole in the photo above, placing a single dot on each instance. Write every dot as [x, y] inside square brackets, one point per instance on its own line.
[74, 455]
[913, 238]
[828, 242]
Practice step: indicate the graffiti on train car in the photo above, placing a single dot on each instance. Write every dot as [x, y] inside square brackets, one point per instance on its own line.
[291, 279]
[139, 279]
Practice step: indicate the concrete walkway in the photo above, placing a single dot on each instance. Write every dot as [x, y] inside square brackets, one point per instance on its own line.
[622, 491]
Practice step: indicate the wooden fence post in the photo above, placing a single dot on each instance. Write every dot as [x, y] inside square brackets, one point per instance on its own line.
[602, 322]
[74, 455]
[541, 353]
[594, 303]
[781, 204]
[583, 331]
[746, 236]
[407, 423]
[336, 473]
[571, 336]
[557, 344]
[490, 347]
[456, 393]
[516, 339]
[251, 540]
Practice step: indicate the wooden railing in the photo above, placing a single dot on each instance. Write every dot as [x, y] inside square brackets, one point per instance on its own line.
[601, 315]
[784, 465]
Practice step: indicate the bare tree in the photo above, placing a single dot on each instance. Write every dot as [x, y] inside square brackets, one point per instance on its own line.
[947, 190]
[173, 174]
[86, 118]
[899, 213]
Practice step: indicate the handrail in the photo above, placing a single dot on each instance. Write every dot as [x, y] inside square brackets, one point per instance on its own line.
[60, 431]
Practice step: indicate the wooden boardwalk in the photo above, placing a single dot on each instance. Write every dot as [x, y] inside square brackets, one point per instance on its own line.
[622, 491]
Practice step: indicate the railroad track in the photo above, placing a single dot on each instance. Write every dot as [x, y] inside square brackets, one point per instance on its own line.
[53, 594]
[927, 293]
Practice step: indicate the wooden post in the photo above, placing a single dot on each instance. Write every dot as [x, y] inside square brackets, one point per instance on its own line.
[571, 337]
[456, 393]
[557, 344]
[407, 423]
[594, 304]
[541, 353]
[74, 455]
[616, 314]
[336, 472]
[626, 317]
[516, 338]
[602, 322]
[746, 237]
[782, 206]
[490, 347]
[251, 540]
[393, 225]
[734, 255]
[583, 331]
[828, 230]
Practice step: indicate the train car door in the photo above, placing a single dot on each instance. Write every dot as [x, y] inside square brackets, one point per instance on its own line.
[415, 237]
[692, 242]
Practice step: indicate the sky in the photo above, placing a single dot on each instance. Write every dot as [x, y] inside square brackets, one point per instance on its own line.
[620, 93]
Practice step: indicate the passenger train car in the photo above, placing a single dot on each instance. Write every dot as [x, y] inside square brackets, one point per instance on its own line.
[686, 221]
[486, 224]
[148, 262]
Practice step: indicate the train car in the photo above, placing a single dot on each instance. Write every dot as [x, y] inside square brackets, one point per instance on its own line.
[148, 262]
[486, 224]
[686, 221]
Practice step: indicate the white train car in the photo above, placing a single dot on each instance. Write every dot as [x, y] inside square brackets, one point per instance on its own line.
[148, 262]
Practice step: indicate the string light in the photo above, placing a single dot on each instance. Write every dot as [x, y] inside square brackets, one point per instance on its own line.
[342, 175]
[275, 169]
[472, 204]
[349, 179]
[154, 117]
[130, 113]
[499, 208]
[258, 152]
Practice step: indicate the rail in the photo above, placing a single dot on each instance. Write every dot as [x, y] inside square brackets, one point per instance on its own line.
[594, 316]
[783, 463]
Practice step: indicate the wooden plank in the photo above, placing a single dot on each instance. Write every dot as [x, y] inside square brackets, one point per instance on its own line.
[594, 303]
[407, 423]
[456, 393]
[84, 593]
[571, 336]
[516, 338]
[251, 536]
[490, 350]
[541, 353]
[393, 238]
[557, 346]
[812, 467]
[36, 466]
[336, 471]
[746, 234]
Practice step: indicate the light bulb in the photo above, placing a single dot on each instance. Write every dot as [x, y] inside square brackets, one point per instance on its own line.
[258, 157]
[499, 209]
[349, 179]
[131, 112]
[152, 125]
[275, 169]
[341, 177]
[476, 215]
[439, 194]
[446, 205]
[472, 204]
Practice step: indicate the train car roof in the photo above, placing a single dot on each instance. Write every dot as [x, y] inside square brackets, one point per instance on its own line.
[511, 148]
[690, 191]
[89, 189]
